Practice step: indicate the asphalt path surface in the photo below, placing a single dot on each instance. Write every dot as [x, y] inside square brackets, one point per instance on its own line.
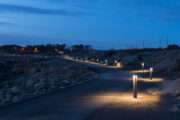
[74, 103]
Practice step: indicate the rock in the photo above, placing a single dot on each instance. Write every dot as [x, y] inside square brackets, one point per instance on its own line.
[129, 59]
[34, 70]
[174, 108]
[4, 76]
[15, 99]
[29, 83]
[18, 71]
[38, 85]
[171, 87]
[14, 89]
[65, 82]
[7, 99]
[178, 98]
[52, 77]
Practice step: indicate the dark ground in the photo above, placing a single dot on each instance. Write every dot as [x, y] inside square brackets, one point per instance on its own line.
[109, 97]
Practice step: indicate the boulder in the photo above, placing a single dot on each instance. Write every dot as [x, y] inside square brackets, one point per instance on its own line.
[18, 71]
[29, 83]
[14, 89]
[129, 59]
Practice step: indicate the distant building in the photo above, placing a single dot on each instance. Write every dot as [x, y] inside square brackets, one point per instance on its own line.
[56, 50]
[173, 46]
[36, 50]
[22, 49]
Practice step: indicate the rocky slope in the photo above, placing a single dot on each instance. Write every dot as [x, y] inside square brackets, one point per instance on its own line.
[167, 65]
[27, 77]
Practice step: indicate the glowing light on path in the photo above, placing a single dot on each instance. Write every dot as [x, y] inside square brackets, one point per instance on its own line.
[124, 99]
[139, 71]
[155, 79]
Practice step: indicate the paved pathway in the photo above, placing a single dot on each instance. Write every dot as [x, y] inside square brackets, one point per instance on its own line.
[74, 103]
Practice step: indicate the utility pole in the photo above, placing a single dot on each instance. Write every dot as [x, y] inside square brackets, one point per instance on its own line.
[167, 41]
[160, 42]
[143, 44]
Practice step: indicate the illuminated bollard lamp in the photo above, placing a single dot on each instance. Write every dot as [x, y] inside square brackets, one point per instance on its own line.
[106, 61]
[115, 62]
[97, 60]
[151, 73]
[118, 64]
[135, 78]
[142, 66]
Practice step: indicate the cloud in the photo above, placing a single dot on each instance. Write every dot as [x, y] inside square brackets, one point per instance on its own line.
[5, 24]
[75, 1]
[57, 1]
[39, 11]
[84, 4]
[161, 10]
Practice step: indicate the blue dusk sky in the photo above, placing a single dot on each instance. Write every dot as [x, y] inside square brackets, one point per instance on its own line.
[104, 24]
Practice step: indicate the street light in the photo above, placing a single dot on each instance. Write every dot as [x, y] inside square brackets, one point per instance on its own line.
[142, 66]
[151, 72]
[135, 77]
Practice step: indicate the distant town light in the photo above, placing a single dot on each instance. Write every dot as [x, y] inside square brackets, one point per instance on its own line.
[135, 78]
[22, 49]
[56, 50]
[151, 72]
[35, 50]
[61, 52]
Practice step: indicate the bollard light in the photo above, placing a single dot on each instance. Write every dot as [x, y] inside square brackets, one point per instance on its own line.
[115, 62]
[135, 78]
[106, 61]
[97, 60]
[92, 59]
[142, 66]
[151, 72]
[118, 64]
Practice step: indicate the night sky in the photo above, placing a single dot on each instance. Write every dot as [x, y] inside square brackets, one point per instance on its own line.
[104, 24]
